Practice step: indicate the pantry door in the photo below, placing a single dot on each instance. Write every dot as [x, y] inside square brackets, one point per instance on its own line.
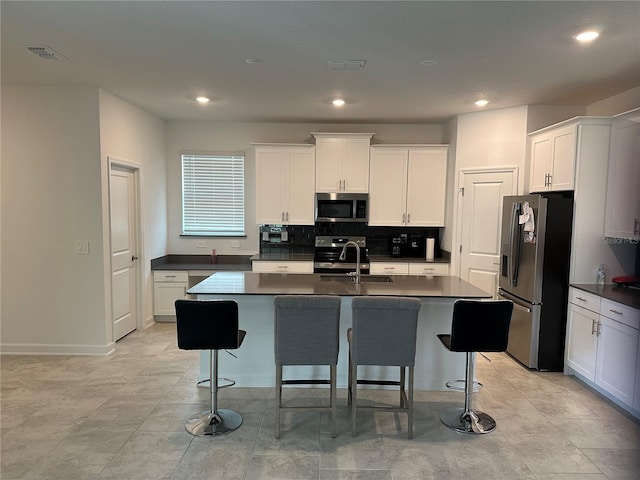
[481, 212]
[124, 264]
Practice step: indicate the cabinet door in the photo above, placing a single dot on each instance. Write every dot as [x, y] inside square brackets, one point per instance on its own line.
[271, 185]
[258, 266]
[564, 159]
[429, 269]
[329, 176]
[636, 398]
[541, 162]
[300, 205]
[387, 196]
[582, 341]
[617, 357]
[426, 187]
[165, 295]
[623, 195]
[355, 165]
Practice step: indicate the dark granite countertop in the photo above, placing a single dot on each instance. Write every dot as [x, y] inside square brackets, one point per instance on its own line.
[238, 263]
[624, 295]
[246, 283]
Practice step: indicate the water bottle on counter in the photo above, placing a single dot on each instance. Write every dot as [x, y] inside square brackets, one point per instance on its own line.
[601, 275]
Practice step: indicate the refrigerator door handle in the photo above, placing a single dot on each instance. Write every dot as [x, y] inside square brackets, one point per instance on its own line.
[513, 262]
[516, 302]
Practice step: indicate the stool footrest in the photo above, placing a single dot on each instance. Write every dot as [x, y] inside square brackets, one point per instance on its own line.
[228, 382]
[459, 385]
[306, 382]
[379, 382]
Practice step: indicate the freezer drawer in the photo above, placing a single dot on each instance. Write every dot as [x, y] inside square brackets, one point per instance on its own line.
[523, 332]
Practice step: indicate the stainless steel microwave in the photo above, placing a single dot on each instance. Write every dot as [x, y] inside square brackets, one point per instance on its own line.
[342, 207]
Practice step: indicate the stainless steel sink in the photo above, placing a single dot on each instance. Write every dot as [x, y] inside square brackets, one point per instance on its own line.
[352, 279]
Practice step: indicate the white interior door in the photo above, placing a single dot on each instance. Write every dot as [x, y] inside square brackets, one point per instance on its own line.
[123, 251]
[481, 223]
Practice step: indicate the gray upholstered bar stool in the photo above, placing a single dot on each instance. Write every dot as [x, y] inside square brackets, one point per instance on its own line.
[383, 333]
[477, 326]
[210, 325]
[306, 333]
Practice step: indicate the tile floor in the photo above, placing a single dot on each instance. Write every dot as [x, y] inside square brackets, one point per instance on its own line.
[122, 417]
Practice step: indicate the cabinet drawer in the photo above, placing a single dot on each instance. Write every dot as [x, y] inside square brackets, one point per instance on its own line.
[437, 269]
[282, 267]
[584, 299]
[620, 313]
[389, 268]
[170, 276]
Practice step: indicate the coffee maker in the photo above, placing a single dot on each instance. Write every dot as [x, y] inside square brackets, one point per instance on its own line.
[397, 245]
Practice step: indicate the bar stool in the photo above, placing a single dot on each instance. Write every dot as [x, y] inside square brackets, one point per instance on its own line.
[210, 325]
[306, 333]
[477, 326]
[383, 333]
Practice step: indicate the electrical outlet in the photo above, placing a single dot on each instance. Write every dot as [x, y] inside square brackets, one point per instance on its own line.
[82, 247]
[235, 244]
[201, 244]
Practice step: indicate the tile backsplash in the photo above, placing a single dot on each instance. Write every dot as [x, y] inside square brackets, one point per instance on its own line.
[300, 238]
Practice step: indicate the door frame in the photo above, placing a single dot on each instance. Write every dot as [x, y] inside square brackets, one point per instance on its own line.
[138, 283]
[456, 263]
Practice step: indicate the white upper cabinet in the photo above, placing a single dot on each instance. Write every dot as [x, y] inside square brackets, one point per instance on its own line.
[553, 157]
[284, 184]
[342, 162]
[408, 185]
[623, 184]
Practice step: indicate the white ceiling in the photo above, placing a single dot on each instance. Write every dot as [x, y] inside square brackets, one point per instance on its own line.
[159, 55]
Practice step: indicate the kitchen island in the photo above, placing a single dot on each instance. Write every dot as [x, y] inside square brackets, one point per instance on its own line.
[254, 292]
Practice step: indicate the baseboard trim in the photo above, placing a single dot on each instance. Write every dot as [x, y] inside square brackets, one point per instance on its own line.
[53, 349]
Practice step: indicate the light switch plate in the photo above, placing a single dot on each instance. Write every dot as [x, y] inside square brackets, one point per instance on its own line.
[82, 247]
[235, 244]
[201, 244]
[284, 236]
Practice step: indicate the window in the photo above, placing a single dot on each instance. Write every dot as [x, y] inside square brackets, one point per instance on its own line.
[213, 195]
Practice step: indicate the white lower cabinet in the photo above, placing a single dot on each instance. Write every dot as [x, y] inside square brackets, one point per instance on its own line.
[168, 286]
[409, 268]
[602, 349]
[264, 266]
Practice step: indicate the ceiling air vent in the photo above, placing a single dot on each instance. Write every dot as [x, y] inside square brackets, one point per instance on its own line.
[45, 52]
[346, 64]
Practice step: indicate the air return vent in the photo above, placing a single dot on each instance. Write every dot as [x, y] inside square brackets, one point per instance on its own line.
[346, 64]
[45, 52]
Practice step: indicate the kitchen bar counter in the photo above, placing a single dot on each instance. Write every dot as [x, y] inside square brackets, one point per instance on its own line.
[246, 283]
[254, 292]
[624, 295]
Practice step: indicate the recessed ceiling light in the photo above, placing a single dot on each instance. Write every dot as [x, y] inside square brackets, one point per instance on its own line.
[587, 36]
[428, 63]
[338, 102]
[481, 103]
[202, 100]
[253, 61]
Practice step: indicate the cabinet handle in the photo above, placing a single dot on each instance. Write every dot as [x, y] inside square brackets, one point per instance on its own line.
[598, 332]
[593, 327]
[616, 312]
[283, 267]
[282, 216]
[404, 217]
[636, 226]
[286, 216]
[581, 299]
[408, 218]
[550, 179]
[169, 276]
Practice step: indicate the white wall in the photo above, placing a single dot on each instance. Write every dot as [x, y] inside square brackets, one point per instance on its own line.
[130, 134]
[55, 141]
[237, 137]
[494, 138]
[623, 102]
[53, 299]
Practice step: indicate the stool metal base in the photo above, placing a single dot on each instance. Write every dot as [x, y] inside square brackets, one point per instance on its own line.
[217, 423]
[471, 421]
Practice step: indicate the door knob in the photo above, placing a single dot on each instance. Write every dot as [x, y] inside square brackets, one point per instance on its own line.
[133, 257]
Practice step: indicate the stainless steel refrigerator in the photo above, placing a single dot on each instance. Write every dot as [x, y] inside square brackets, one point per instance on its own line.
[534, 273]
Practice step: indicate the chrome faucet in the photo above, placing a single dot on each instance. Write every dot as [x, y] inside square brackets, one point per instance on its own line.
[343, 255]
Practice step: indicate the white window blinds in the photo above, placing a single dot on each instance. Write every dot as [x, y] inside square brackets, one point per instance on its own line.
[213, 195]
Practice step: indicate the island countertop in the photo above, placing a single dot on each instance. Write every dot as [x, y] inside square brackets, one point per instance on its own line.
[248, 283]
